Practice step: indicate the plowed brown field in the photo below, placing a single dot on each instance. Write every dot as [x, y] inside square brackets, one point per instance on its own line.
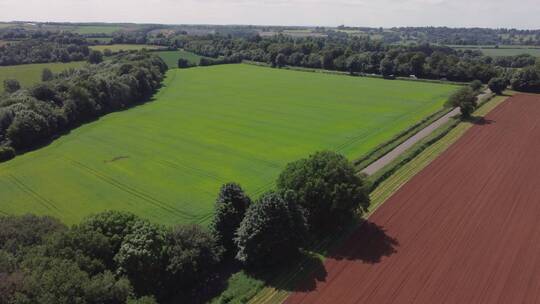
[464, 230]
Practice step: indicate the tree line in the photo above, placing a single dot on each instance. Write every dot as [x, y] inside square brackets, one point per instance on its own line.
[360, 55]
[32, 116]
[63, 47]
[116, 257]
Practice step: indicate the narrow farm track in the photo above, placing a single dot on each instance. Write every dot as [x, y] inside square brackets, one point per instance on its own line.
[464, 230]
[397, 151]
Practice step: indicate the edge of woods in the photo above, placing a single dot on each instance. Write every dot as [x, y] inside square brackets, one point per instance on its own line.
[384, 184]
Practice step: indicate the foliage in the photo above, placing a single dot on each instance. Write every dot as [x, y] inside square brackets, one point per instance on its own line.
[526, 79]
[271, 232]
[47, 74]
[192, 255]
[11, 85]
[465, 99]
[17, 233]
[231, 206]
[326, 185]
[49, 47]
[76, 96]
[95, 57]
[476, 85]
[497, 85]
[141, 257]
[6, 153]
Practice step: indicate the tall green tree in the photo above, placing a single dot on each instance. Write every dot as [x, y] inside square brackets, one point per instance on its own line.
[271, 232]
[11, 85]
[327, 186]
[231, 206]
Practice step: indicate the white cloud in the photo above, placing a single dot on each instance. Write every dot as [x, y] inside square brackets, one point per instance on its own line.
[484, 13]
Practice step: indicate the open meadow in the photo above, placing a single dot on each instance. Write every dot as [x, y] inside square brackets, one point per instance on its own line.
[165, 160]
[171, 57]
[503, 50]
[29, 74]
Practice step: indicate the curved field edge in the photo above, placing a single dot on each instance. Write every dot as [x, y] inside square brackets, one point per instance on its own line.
[208, 126]
[452, 131]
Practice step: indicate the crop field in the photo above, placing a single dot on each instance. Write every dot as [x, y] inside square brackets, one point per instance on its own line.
[165, 160]
[464, 230]
[124, 47]
[171, 57]
[505, 50]
[29, 74]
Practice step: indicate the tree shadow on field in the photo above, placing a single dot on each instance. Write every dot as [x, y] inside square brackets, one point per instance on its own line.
[369, 243]
[479, 120]
[299, 275]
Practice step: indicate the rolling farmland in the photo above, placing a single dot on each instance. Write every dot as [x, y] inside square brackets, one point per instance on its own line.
[166, 159]
[29, 74]
[464, 230]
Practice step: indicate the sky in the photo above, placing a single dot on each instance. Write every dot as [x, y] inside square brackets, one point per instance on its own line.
[523, 14]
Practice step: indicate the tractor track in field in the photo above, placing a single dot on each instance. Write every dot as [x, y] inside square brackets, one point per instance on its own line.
[46, 203]
[134, 192]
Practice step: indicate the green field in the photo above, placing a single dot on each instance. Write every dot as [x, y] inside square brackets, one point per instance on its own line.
[503, 50]
[29, 74]
[165, 160]
[124, 47]
[171, 57]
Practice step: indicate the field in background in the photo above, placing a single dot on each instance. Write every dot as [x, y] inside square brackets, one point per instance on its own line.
[124, 47]
[503, 50]
[29, 74]
[165, 160]
[171, 57]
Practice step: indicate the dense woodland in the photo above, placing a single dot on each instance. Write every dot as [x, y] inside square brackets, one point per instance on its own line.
[116, 257]
[45, 47]
[32, 116]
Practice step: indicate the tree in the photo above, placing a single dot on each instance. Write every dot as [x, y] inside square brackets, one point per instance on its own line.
[526, 79]
[231, 206]
[6, 153]
[114, 226]
[271, 232]
[17, 232]
[47, 74]
[141, 257]
[387, 67]
[183, 63]
[497, 85]
[327, 186]
[476, 85]
[95, 57]
[281, 60]
[192, 254]
[27, 128]
[11, 85]
[465, 99]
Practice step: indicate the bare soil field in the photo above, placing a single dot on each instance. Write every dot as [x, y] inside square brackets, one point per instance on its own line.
[464, 230]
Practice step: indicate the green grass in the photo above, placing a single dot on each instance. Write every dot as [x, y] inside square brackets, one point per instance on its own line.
[503, 50]
[29, 74]
[171, 57]
[124, 47]
[165, 160]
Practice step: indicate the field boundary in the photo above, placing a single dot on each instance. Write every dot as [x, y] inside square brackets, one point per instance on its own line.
[272, 294]
[342, 73]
